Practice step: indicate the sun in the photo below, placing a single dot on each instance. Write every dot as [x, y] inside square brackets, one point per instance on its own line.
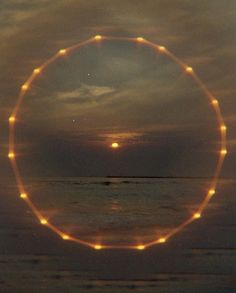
[115, 145]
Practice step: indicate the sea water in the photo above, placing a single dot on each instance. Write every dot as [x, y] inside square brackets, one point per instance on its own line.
[117, 210]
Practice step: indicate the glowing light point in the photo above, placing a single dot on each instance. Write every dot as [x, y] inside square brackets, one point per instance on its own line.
[115, 145]
[162, 240]
[215, 102]
[161, 48]
[197, 216]
[211, 192]
[37, 70]
[189, 69]
[223, 128]
[62, 52]
[98, 37]
[12, 119]
[140, 247]
[223, 152]
[140, 39]
[11, 155]
[23, 195]
[65, 237]
[97, 246]
[25, 87]
[43, 221]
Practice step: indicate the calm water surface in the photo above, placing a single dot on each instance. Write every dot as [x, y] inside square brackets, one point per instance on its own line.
[118, 210]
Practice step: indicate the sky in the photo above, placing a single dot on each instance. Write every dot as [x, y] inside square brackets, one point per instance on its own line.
[117, 92]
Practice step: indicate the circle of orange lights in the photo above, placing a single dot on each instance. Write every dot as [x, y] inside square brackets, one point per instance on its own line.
[185, 68]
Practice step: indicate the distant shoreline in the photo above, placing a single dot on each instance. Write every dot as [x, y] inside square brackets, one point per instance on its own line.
[117, 177]
[156, 177]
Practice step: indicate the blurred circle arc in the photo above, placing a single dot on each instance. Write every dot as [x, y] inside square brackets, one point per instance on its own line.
[126, 139]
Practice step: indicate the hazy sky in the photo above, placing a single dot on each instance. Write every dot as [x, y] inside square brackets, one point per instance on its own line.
[118, 91]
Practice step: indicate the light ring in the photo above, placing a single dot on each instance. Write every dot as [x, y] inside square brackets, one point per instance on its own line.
[184, 67]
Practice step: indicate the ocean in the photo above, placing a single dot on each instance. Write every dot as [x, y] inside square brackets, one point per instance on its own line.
[200, 259]
[118, 210]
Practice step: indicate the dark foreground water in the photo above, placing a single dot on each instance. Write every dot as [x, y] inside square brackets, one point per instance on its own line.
[201, 259]
[118, 211]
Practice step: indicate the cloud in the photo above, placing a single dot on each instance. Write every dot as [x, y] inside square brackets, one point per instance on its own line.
[84, 94]
[15, 14]
[126, 137]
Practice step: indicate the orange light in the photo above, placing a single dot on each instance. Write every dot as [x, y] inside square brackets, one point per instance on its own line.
[215, 102]
[140, 39]
[11, 155]
[115, 145]
[197, 216]
[62, 52]
[25, 87]
[98, 37]
[189, 69]
[23, 195]
[162, 240]
[223, 152]
[97, 246]
[211, 192]
[12, 119]
[140, 247]
[65, 237]
[223, 128]
[37, 70]
[161, 48]
[43, 221]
